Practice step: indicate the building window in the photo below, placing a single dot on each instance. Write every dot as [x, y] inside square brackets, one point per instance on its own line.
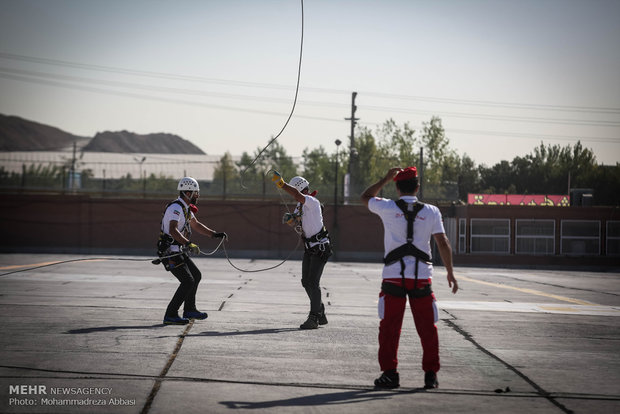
[490, 236]
[613, 238]
[462, 235]
[581, 237]
[535, 237]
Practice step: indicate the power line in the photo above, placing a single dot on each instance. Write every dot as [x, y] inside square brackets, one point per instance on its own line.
[534, 136]
[151, 97]
[500, 117]
[130, 85]
[40, 77]
[519, 135]
[566, 108]
[190, 78]
[177, 101]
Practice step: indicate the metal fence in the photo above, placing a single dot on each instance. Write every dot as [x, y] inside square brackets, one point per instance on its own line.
[154, 175]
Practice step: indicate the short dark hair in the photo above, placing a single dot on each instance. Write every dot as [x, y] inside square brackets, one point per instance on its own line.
[407, 186]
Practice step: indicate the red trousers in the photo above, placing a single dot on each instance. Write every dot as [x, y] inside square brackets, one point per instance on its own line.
[391, 311]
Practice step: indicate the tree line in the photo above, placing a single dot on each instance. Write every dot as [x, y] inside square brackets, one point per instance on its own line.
[446, 175]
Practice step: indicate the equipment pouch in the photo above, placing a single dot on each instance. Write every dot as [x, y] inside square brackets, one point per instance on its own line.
[173, 262]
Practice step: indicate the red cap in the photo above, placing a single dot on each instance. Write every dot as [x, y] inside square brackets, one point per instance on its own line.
[406, 174]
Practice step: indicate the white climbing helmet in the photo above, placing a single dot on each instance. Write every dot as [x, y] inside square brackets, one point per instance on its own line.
[300, 183]
[188, 184]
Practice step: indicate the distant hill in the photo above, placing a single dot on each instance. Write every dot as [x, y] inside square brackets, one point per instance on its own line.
[125, 141]
[18, 134]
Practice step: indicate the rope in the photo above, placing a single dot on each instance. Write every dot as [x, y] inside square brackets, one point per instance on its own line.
[301, 48]
[221, 244]
[267, 268]
[81, 260]
[215, 250]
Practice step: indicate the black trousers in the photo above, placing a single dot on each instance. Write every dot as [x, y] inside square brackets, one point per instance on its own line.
[311, 271]
[189, 276]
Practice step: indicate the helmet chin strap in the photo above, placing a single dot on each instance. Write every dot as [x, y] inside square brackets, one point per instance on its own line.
[187, 198]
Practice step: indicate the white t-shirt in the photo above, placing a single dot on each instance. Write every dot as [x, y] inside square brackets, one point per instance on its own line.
[311, 217]
[175, 212]
[427, 222]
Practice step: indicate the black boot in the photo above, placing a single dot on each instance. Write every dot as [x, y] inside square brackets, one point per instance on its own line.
[311, 323]
[430, 380]
[389, 379]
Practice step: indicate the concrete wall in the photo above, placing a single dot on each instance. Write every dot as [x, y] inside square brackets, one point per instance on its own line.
[91, 225]
[81, 224]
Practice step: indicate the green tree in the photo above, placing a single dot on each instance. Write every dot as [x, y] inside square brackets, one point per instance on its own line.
[468, 177]
[367, 163]
[320, 171]
[397, 145]
[225, 177]
[544, 171]
[499, 178]
[254, 170]
[437, 151]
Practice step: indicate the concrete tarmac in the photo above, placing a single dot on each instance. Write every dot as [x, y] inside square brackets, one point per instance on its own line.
[87, 337]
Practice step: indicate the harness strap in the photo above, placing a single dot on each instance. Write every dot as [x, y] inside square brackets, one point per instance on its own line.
[408, 249]
[410, 211]
[322, 248]
[401, 292]
[317, 237]
[166, 240]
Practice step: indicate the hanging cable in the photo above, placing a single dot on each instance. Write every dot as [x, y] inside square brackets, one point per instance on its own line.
[267, 268]
[301, 48]
[157, 260]
[82, 260]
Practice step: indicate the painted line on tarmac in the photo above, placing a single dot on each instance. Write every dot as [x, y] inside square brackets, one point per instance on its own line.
[162, 375]
[530, 291]
[558, 308]
[63, 374]
[539, 389]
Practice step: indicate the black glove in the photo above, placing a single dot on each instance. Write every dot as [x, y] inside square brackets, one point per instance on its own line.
[220, 235]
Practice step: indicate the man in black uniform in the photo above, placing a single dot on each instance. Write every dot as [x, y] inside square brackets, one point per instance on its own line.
[309, 216]
[176, 229]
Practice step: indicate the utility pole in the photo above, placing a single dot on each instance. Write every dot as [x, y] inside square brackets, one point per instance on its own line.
[421, 172]
[72, 176]
[335, 227]
[353, 153]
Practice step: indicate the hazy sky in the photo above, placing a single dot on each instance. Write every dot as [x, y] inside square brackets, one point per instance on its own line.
[502, 75]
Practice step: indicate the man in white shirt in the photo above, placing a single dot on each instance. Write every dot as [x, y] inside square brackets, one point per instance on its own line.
[174, 241]
[408, 227]
[309, 214]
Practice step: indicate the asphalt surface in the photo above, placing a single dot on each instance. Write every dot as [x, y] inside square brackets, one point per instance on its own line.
[87, 337]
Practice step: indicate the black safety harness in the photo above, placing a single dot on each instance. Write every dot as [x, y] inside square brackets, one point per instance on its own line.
[410, 210]
[323, 233]
[324, 250]
[165, 240]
